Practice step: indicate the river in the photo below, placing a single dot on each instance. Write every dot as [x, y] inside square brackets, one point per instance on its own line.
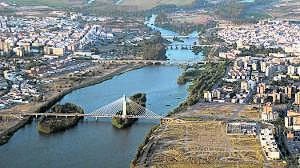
[96, 143]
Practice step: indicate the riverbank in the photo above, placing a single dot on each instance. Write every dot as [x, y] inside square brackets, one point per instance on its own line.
[201, 77]
[41, 107]
[8, 133]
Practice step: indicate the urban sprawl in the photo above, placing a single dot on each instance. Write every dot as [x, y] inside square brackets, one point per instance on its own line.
[264, 69]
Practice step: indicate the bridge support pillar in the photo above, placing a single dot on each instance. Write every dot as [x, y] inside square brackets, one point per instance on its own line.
[124, 111]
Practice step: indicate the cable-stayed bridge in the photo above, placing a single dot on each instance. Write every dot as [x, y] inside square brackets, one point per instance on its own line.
[124, 107]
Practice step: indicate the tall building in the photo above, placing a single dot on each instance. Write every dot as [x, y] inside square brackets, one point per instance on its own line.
[288, 91]
[268, 108]
[254, 66]
[263, 66]
[270, 70]
[261, 88]
[244, 85]
[207, 96]
[298, 70]
[291, 70]
[292, 120]
[268, 114]
[54, 51]
[297, 98]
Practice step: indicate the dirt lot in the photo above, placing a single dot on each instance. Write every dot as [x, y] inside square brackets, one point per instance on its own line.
[221, 111]
[179, 143]
[197, 138]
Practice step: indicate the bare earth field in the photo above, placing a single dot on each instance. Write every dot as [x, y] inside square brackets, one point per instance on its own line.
[187, 144]
[197, 138]
[148, 4]
[195, 18]
[221, 111]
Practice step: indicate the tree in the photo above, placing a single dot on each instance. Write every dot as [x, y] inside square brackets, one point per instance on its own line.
[154, 49]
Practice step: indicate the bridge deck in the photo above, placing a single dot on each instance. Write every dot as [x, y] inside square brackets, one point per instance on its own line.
[77, 115]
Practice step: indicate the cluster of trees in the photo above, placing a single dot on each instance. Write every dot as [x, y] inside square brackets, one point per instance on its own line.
[202, 78]
[153, 49]
[66, 108]
[139, 98]
[48, 125]
[162, 20]
[205, 79]
[253, 50]
[205, 50]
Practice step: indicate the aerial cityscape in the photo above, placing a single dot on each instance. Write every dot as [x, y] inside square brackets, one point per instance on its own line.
[150, 83]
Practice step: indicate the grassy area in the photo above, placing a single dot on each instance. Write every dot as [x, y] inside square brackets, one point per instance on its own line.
[220, 110]
[250, 113]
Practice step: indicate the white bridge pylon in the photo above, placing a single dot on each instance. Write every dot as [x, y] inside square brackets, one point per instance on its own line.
[124, 108]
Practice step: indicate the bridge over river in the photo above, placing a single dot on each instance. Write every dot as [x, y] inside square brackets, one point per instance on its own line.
[118, 108]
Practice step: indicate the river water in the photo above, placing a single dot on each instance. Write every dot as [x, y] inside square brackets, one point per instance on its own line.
[96, 143]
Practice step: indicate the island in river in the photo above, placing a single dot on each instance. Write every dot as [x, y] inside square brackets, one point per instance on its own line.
[140, 99]
[52, 124]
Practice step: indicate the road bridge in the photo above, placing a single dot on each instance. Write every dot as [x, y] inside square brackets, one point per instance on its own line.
[118, 108]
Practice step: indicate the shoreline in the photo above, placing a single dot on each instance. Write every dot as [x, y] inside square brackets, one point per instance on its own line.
[9, 132]
[183, 106]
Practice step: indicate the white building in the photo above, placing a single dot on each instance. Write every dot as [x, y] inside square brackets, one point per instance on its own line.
[269, 144]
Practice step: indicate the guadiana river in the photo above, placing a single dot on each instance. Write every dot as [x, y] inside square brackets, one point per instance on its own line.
[97, 143]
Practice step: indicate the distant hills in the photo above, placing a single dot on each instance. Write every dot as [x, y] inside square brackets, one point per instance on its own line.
[137, 4]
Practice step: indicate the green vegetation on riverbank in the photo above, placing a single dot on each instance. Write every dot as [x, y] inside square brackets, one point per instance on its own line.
[254, 51]
[153, 49]
[184, 28]
[139, 98]
[204, 50]
[50, 125]
[201, 77]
